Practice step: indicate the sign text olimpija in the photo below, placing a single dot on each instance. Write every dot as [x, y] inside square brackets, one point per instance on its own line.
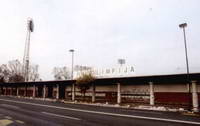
[110, 72]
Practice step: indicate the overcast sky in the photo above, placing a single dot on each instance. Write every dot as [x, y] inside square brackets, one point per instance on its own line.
[143, 32]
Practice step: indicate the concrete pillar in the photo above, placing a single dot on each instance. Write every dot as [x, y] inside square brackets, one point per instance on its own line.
[34, 91]
[57, 91]
[195, 97]
[118, 93]
[73, 92]
[44, 91]
[93, 92]
[151, 93]
[17, 91]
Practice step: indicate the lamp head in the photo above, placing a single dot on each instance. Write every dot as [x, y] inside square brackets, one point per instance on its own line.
[71, 50]
[30, 25]
[183, 25]
[121, 61]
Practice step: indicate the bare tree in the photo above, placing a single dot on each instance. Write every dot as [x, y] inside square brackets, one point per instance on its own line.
[61, 73]
[13, 72]
[2, 77]
[33, 73]
[4, 73]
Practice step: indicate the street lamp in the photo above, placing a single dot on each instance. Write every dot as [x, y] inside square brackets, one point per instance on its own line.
[72, 69]
[186, 56]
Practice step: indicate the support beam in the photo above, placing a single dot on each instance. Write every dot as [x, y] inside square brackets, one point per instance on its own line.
[73, 92]
[151, 93]
[44, 91]
[34, 91]
[57, 91]
[195, 97]
[93, 93]
[118, 93]
[17, 91]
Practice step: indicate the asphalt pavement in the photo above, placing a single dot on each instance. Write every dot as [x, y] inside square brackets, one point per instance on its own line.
[32, 112]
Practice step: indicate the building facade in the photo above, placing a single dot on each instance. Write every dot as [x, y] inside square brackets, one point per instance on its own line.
[169, 90]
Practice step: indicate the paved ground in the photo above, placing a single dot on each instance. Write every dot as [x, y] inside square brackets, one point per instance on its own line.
[25, 112]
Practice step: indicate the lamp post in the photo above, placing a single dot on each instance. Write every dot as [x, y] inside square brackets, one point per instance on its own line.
[72, 69]
[183, 26]
[73, 85]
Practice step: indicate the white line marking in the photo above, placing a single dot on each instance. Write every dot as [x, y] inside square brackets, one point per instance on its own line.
[10, 106]
[19, 121]
[67, 117]
[106, 113]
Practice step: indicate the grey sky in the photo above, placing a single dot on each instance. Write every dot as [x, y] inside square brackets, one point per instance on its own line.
[144, 32]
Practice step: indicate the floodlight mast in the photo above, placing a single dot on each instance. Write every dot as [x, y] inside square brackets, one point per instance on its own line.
[121, 61]
[30, 28]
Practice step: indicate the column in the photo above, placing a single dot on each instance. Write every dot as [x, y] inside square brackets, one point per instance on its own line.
[17, 91]
[151, 93]
[34, 91]
[57, 91]
[195, 97]
[44, 91]
[73, 92]
[93, 92]
[118, 93]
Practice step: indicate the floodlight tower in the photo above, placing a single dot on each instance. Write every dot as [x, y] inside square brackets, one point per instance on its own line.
[121, 62]
[30, 27]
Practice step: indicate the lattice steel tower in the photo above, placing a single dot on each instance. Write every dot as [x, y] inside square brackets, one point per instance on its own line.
[30, 27]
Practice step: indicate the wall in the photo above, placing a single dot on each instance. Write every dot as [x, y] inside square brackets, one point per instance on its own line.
[170, 88]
